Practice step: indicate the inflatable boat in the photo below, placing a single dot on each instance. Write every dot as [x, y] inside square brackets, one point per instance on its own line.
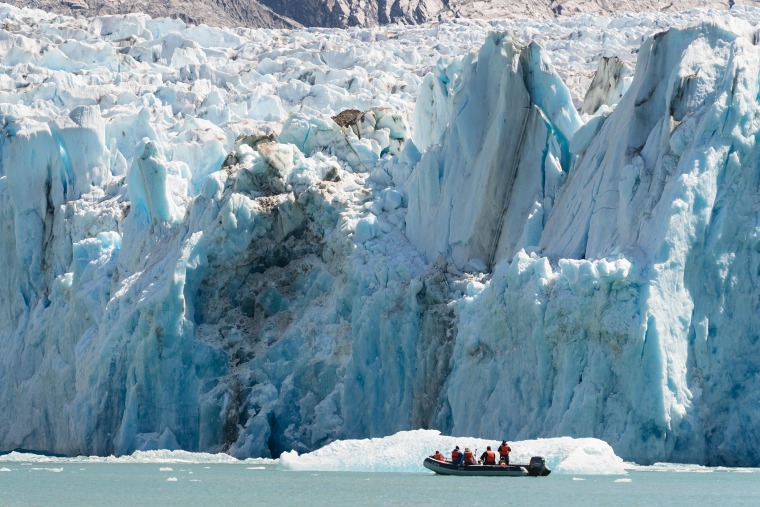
[536, 468]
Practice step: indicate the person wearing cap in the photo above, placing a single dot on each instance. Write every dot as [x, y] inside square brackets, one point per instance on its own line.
[504, 451]
[439, 456]
[469, 458]
[456, 456]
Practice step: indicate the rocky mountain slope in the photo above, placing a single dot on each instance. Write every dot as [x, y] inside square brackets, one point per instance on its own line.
[344, 13]
[213, 12]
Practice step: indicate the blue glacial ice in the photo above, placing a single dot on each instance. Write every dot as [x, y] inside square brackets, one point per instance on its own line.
[630, 311]
[198, 258]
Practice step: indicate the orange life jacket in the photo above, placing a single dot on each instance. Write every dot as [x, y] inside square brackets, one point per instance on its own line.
[439, 457]
[490, 458]
[468, 458]
[455, 455]
[504, 450]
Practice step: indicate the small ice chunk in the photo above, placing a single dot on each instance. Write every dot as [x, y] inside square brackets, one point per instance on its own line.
[366, 229]
[474, 288]
[393, 200]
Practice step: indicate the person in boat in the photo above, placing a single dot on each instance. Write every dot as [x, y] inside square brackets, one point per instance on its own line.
[439, 456]
[488, 457]
[457, 456]
[469, 458]
[504, 451]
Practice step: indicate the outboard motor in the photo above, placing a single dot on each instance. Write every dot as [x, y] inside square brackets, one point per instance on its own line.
[537, 467]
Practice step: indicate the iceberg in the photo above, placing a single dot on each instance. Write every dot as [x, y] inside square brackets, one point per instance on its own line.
[406, 450]
[260, 242]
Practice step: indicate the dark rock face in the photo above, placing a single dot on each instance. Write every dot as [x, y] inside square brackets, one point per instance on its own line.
[211, 12]
[344, 13]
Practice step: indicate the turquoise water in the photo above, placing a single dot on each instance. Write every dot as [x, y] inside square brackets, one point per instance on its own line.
[94, 484]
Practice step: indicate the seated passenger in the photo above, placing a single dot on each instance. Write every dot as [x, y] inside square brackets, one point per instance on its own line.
[469, 459]
[488, 457]
[439, 456]
[456, 456]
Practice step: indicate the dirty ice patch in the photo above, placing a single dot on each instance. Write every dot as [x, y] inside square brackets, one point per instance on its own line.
[406, 450]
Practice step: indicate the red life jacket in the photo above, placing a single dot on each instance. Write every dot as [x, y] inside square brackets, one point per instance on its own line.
[504, 450]
[468, 458]
[439, 457]
[490, 458]
[455, 455]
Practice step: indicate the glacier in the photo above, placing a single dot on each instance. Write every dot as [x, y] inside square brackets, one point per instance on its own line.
[259, 242]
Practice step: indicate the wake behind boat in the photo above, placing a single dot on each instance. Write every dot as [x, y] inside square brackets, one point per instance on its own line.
[536, 468]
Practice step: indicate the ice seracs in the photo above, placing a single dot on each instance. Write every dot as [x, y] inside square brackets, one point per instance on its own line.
[198, 257]
[651, 231]
[482, 191]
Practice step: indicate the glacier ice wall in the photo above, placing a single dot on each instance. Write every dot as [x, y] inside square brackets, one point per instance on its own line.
[477, 196]
[631, 317]
[196, 256]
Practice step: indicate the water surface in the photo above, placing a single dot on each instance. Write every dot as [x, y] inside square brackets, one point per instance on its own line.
[117, 484]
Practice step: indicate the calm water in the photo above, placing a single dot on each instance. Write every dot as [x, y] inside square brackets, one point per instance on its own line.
[64, 484]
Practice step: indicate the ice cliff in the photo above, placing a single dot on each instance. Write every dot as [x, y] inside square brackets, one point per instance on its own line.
[201, 253]
[628, 301]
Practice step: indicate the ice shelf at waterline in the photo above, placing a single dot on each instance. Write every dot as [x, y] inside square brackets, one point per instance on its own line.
[401, 452]
[197, 257]
[405, 451]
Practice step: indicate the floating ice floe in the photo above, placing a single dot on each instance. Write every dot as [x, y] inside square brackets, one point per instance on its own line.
[405, 451]
[146, 457]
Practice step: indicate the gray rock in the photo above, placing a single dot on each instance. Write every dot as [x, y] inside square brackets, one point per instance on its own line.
[344, 13]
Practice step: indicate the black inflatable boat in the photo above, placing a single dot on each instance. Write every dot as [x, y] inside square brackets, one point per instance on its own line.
[536, 468]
